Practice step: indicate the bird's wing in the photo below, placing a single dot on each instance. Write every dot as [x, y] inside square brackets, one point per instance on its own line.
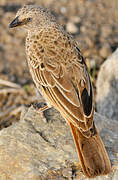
[67, 85]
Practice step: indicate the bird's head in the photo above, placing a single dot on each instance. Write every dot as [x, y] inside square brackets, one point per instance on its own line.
[32, 17]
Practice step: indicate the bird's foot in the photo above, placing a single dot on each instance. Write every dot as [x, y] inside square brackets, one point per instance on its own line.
[40, 108]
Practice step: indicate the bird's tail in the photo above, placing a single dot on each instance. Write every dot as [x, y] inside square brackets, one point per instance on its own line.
[92, 153]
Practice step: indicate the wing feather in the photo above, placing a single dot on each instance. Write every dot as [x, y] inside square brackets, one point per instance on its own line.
[49, 78]
[64, 110]
[64, 83]
[69, 92]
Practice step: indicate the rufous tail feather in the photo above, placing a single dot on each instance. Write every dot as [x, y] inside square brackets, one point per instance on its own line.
[92, 153]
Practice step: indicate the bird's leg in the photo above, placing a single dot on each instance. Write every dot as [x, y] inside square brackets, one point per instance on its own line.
[44, 108]
[40, 108]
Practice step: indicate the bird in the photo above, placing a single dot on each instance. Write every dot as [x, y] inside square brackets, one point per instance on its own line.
[60, 73]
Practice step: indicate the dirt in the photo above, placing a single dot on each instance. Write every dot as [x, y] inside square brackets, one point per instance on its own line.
[93, 23]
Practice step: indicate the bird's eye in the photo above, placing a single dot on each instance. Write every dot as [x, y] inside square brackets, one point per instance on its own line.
[29, 19]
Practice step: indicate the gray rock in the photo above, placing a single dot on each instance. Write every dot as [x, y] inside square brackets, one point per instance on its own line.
[107, 87]
[36, 148]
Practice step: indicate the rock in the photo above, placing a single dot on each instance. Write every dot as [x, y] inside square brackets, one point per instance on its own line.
[89, 42]
[71, 28]
[63, 10]
[105, 50]
[75, 19]
[106, 30]
[107, 87]
[36, 149]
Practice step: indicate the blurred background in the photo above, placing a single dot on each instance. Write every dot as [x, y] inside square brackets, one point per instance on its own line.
[93, 23]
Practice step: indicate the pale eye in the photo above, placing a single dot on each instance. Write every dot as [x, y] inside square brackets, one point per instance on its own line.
[29, 19]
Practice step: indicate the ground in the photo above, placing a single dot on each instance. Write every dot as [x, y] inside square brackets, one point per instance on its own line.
[93, 23]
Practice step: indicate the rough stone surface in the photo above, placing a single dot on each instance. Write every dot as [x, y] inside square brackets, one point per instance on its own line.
[38, 148]
[107, 87]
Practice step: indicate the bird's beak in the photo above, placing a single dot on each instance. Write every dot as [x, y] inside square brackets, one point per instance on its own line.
[15, 23]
